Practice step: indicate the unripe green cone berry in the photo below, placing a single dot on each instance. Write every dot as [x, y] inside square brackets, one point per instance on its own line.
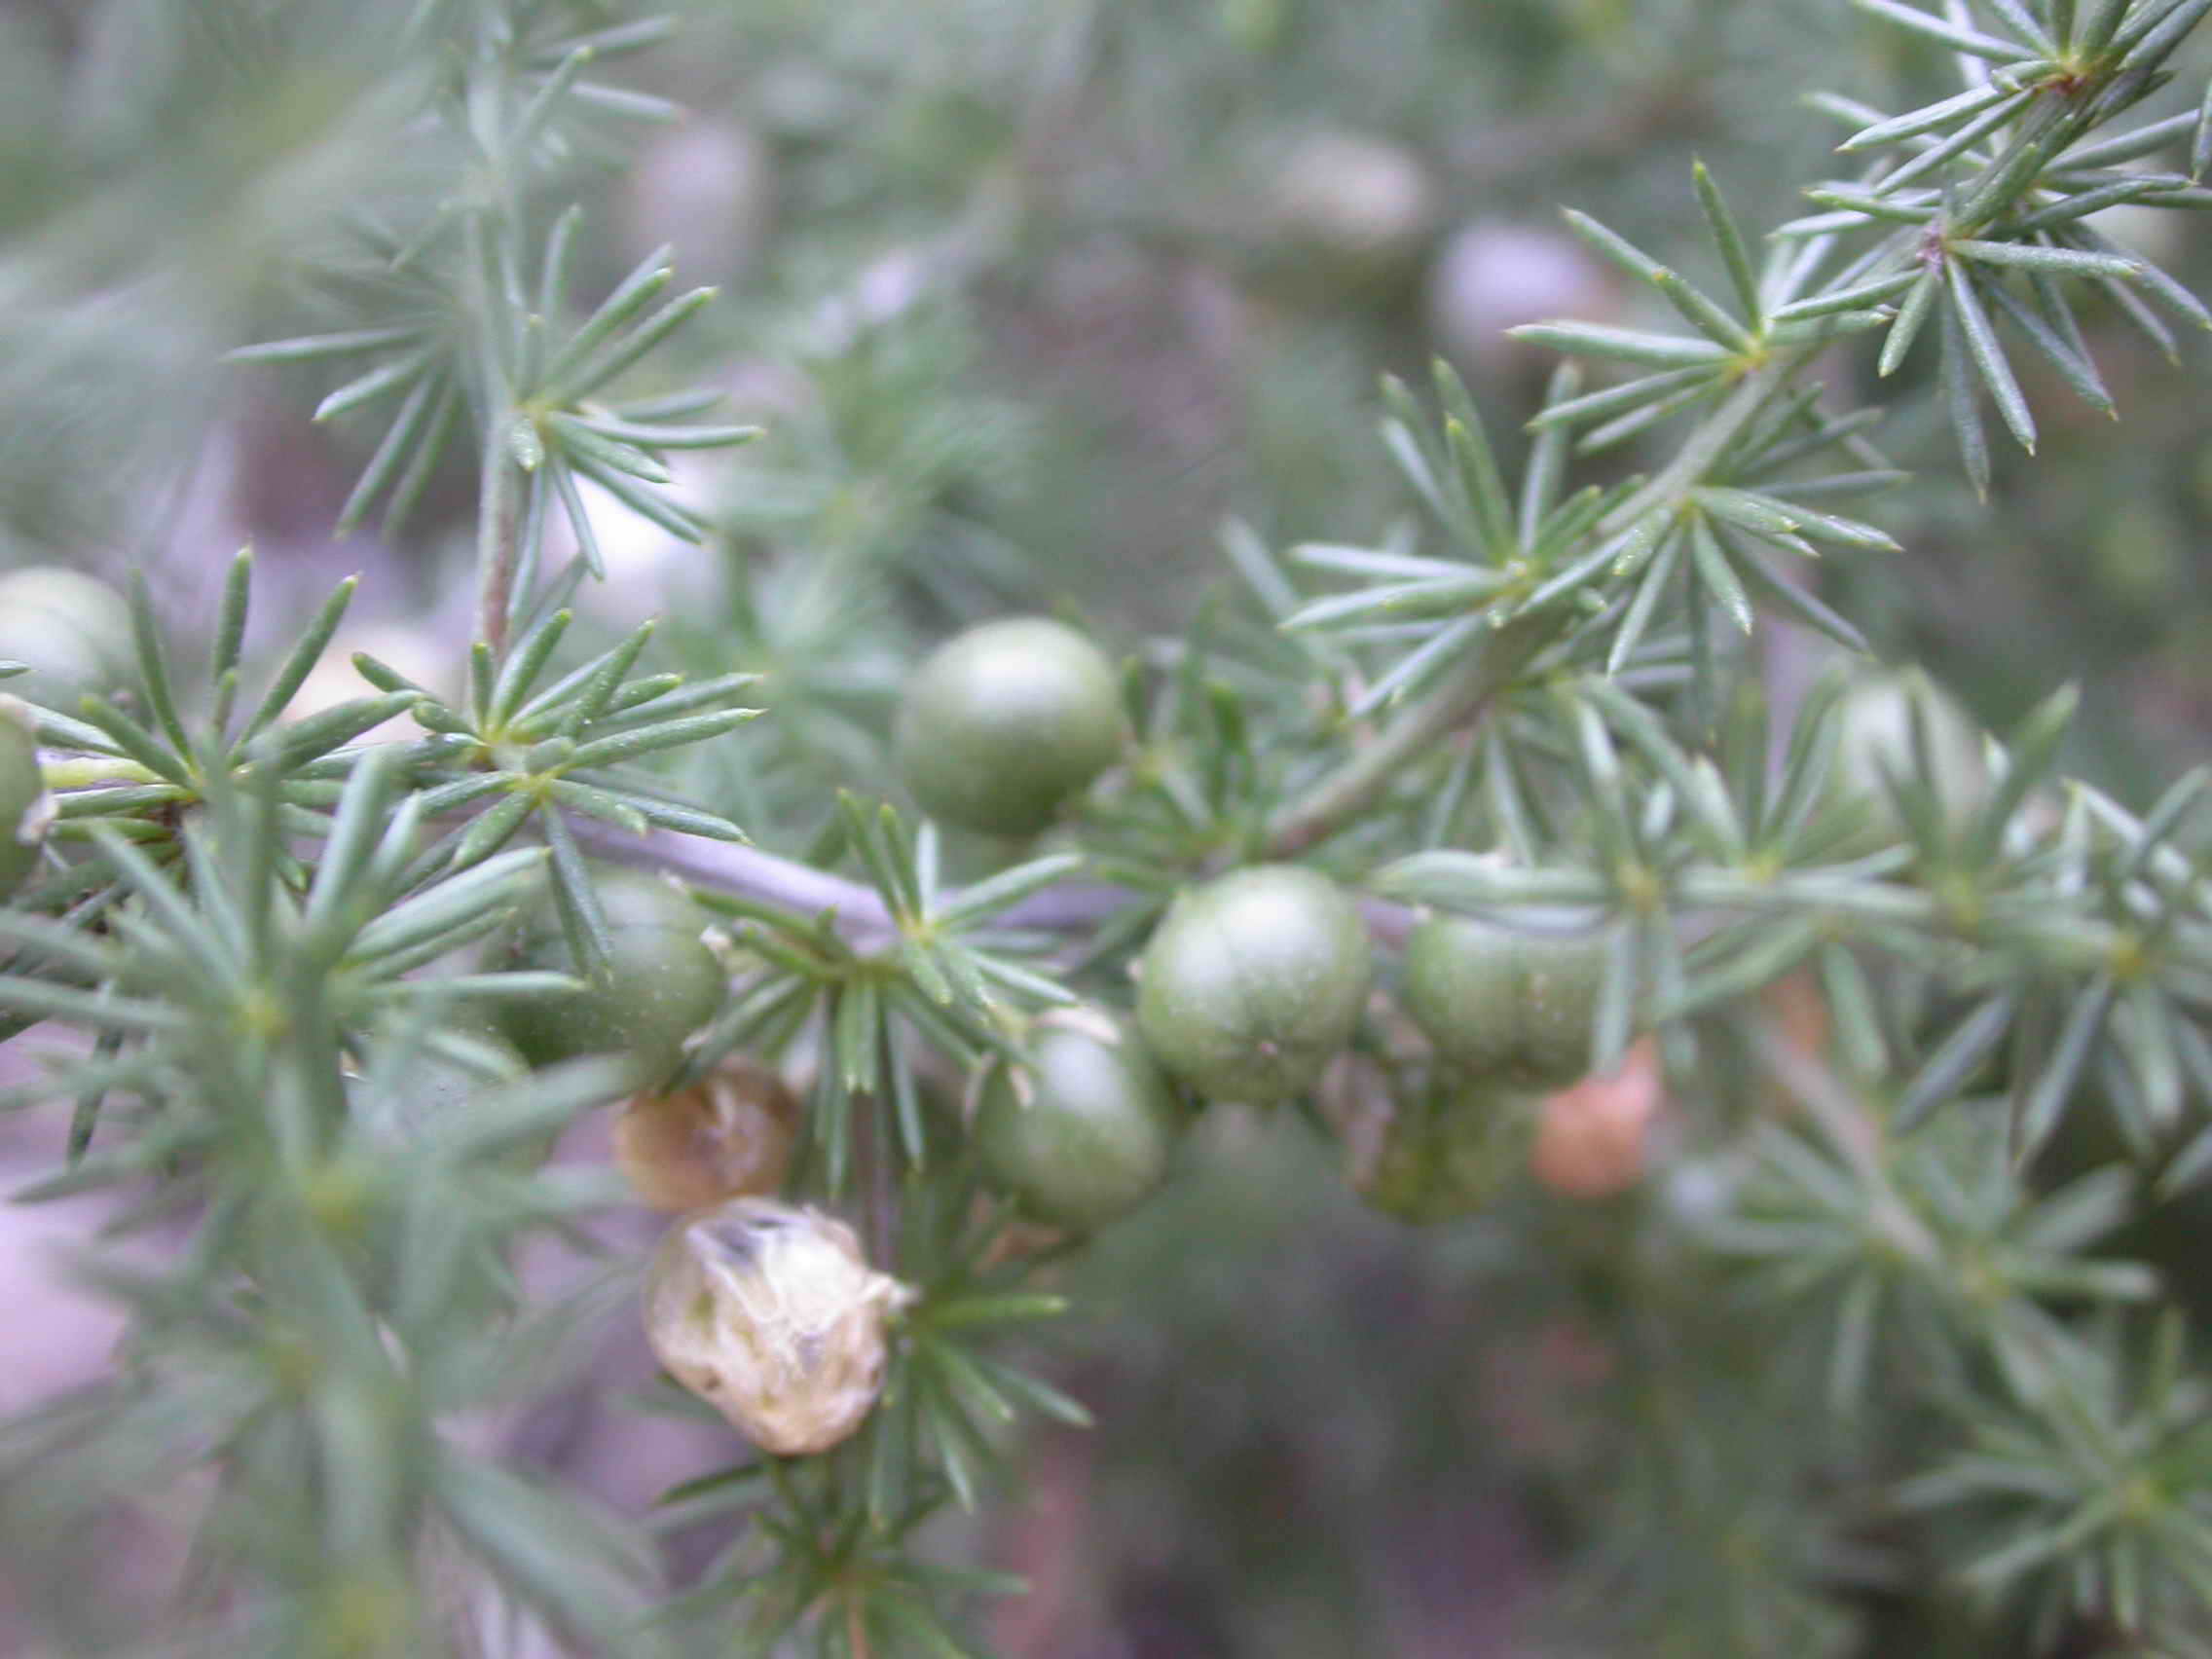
[661, 983]
[74, 631]
[1505, 1005]
[1452, 1148]
[1082, 1130]
[1251, 982]
[27, 810]
[1005, 723]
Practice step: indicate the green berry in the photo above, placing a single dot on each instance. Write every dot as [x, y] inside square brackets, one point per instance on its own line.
[1450, 1148]
[1004, 723]
[1252, 982]
[74, 631]
[25, 808]
[661, 981]
[1503, 1004]
[1082, 1130]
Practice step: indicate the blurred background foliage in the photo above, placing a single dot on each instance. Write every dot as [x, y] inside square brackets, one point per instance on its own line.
[1028, 295]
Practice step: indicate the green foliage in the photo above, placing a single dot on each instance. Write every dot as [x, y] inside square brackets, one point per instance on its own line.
[1539, 693]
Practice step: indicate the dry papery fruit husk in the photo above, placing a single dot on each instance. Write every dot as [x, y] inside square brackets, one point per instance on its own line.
[771, 1314]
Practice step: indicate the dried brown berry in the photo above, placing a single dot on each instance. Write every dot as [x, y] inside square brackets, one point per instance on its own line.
[1593, 1139]
[727, 1136]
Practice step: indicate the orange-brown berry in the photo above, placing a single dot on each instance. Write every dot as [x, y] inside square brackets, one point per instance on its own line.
[728, 1135]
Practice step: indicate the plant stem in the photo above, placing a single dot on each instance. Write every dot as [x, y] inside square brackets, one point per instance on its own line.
[1467, 692]
[495, 542]
[1674, 482]
[862, 917]
[1464, 696]
[860, 913]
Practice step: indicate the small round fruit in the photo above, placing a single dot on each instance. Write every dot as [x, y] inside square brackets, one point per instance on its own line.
[660, 985]
[74, 631]
[1005, 723]
[1491, 275]
[1452, 1148]
[771, 1315]
[1352, 197]
[1592, 1139]
[27, 810]
[729, 1135]
[1079, 1133]
[1503, 1003]
[1251, 982]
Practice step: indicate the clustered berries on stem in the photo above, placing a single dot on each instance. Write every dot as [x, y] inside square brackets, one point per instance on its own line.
[1252, 985]
[339, 992]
